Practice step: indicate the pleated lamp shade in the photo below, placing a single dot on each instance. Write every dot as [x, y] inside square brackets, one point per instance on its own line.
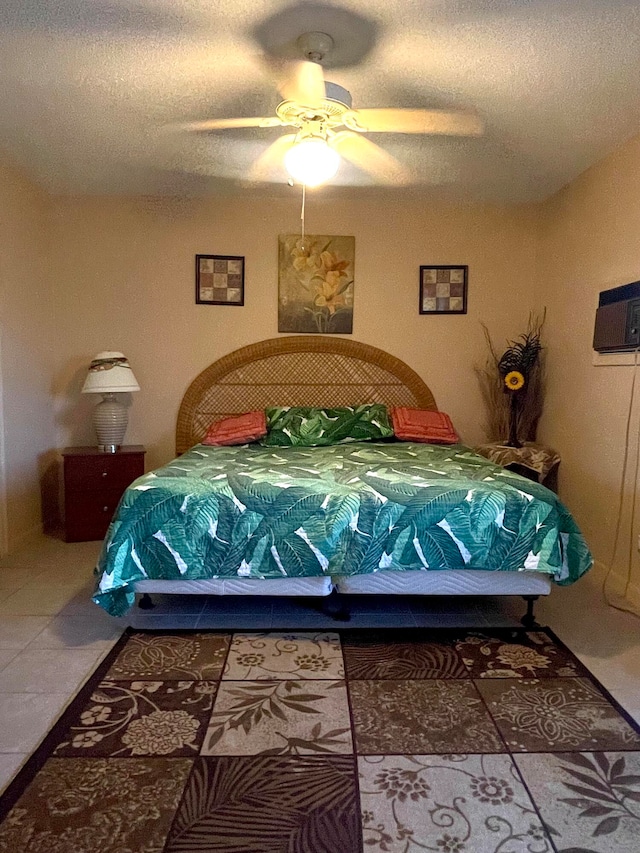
[110, 373]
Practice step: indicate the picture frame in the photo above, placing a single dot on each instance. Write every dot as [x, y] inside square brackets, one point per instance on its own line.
[219, 280]
[443, 289]
[316, 276]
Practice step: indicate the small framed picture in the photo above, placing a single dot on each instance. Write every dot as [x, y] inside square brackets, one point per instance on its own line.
[219, 280]
[443, 289]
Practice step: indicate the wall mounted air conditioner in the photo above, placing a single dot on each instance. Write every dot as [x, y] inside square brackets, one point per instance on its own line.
[617, 326]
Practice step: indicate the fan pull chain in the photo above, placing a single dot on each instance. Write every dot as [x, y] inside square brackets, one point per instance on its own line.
[304, 198]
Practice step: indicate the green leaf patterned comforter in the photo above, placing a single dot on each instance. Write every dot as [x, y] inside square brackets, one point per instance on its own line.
[263, 512]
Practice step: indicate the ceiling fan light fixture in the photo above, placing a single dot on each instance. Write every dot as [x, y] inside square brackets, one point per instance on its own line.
[311, 161]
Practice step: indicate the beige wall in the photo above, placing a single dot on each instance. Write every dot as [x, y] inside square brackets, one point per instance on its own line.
[124, 276]
[590, 241]
[125, 269]
[26, 354]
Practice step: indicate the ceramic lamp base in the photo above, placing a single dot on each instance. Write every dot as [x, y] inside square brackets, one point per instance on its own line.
[110, 421]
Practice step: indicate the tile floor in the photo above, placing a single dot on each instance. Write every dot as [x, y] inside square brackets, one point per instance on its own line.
[52, 636]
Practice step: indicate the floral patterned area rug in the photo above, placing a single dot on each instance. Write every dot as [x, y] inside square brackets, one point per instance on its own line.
[333, 742]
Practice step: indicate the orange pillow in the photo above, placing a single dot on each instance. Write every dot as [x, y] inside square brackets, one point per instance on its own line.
[240, 429]
[423, 425]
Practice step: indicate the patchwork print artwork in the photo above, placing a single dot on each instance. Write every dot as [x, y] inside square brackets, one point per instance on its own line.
[219, 280]
[443, 290]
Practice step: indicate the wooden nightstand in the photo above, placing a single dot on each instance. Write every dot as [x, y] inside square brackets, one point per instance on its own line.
[93, 485]
[534, 461]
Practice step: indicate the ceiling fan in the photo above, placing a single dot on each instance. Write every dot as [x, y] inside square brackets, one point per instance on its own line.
[327, 127]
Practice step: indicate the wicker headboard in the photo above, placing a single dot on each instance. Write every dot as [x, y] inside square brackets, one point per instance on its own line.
[301, 370]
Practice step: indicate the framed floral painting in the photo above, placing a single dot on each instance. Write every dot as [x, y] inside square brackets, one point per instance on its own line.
[315, 281]
[443, 289]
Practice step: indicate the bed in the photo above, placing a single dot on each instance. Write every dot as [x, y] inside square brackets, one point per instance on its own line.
[383, 518]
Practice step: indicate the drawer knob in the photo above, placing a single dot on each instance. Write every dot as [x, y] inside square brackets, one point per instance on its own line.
[104, 473]
[105, 509]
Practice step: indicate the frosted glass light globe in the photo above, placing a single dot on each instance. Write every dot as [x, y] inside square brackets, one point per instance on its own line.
[311, 162]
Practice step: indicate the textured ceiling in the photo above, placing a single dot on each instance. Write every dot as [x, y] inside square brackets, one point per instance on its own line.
[88, 88]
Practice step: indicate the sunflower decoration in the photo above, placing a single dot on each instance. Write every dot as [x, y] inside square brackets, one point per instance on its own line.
[514, 380]
[515, 367]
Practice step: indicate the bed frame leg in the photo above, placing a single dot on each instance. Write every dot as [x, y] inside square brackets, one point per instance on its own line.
[332, 605]
[145, 602]
[529, 620]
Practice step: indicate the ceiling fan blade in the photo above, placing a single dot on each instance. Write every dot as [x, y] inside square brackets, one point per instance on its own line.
[303, 83]
[368, 156]
[225, 123]
[419, 121]
[264, 167]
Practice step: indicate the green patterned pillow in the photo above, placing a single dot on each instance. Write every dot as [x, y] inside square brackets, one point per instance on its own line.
[312, 427]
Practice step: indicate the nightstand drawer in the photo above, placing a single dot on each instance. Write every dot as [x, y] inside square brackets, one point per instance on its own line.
[88, 515]
[102, 472]
[93, 485]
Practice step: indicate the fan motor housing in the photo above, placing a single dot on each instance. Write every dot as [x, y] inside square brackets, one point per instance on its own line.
[329, 111]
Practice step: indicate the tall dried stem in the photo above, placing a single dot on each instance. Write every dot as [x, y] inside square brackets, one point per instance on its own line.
[497, 401]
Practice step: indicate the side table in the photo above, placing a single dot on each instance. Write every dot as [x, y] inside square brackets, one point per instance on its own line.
[532, 460]
[93, 485]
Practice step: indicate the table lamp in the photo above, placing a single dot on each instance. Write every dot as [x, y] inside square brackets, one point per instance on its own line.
[110, 374]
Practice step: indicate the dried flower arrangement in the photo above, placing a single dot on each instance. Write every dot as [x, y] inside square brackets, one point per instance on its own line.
[512, 385]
